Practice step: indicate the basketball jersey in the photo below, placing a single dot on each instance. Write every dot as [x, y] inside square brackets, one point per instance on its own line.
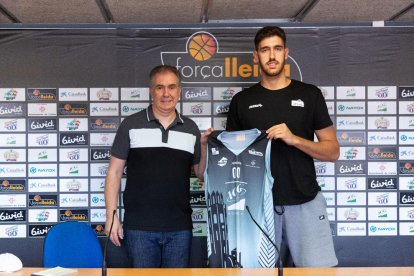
[238, 175]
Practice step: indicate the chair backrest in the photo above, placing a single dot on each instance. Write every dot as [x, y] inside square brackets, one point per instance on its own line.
[72, 244]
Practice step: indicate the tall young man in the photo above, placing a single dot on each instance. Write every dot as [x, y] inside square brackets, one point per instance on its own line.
[291, 112]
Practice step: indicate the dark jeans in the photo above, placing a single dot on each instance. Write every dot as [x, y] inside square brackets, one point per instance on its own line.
[158, 249]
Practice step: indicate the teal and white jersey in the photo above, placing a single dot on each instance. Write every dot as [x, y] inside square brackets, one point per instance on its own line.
[238, 175]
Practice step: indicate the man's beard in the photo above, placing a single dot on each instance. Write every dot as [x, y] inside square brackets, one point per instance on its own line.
[271, 72]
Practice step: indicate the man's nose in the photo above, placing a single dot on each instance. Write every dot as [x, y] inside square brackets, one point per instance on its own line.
[165, 92]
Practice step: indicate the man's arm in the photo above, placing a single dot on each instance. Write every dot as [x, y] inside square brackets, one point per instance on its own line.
[112, 184]
[326, 149]
[200, 167]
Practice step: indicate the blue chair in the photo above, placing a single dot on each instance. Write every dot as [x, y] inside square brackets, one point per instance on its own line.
[72, 245]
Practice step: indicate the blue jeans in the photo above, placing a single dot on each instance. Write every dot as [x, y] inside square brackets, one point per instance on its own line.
[158, 249]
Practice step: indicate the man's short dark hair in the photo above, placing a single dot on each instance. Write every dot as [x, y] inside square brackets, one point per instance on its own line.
[164, 68]
[269, 31]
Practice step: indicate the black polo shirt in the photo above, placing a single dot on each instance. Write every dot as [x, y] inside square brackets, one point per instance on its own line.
[159, 161]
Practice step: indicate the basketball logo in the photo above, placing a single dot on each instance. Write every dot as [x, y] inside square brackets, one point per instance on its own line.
[202, 46]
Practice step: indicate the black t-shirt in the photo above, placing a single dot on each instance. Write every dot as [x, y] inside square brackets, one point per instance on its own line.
[303, 109]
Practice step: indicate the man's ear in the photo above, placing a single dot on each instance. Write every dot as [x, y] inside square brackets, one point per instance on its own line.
[286, 53]
[255, 57]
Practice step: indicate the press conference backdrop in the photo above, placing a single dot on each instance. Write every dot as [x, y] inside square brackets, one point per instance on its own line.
[64, 92]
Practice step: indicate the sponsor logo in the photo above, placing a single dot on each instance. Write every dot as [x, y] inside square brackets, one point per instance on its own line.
[346, 108]
[382, 138]
[42, 124]
[104, 94]
[220, 108]
[73, 185]
[197, 65]
[407, 198]
[350, 168]
[98, 215]
[43, 200]
[102, 170]
[382, 199]
[12, 185]
[78, 109]
[12, 215]
[406, 92]
[10, 125]
[199, 214]
[73, 94]
[255, 152]
[382, 168]
[12, 200]
[10, 94]
[320, 168]
[99, 229]
[74, 215]
[382, 153]
[74, 200]
[197, 109]
[196, 185]
[42, 216]
[39, 230]
[131, 108]
[222, 162]
[135, 94]
[225, 93]
[197, 198]
[197, 93]
[351, 214]
[255, 106]
[12, 110]
[11, 155]
[351, 229]
[381, 92]
[74, 154]
[382, 183]
[98, 154]
[351, 123]
[38, 170]
[383, 229]
[103, 124]
[74, 139]
[351, 184]
[351, 138]
[382, 123]
[351, 153]
[406, 167]
[13, 170]
[42, 109]
[200, 229]
[406, 137]
[42, 185]
[102, 139]
[37, 95]
[102, 109]
[406, 153]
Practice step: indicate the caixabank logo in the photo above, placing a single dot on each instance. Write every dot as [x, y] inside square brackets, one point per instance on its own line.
[203, 62]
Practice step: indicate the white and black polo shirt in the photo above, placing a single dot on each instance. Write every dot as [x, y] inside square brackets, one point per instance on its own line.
[159, 161]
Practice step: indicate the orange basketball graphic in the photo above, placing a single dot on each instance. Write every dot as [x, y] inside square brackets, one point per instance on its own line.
[202, 46]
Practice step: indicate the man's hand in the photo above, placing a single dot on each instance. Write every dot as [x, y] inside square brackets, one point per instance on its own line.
[117, 233]
[205, 135]
[282, 132]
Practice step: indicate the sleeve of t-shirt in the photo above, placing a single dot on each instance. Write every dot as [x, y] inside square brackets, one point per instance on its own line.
[233, 120]
[120, 146]
[321, 117]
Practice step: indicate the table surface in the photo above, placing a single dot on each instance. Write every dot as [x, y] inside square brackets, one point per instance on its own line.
[337, 271]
